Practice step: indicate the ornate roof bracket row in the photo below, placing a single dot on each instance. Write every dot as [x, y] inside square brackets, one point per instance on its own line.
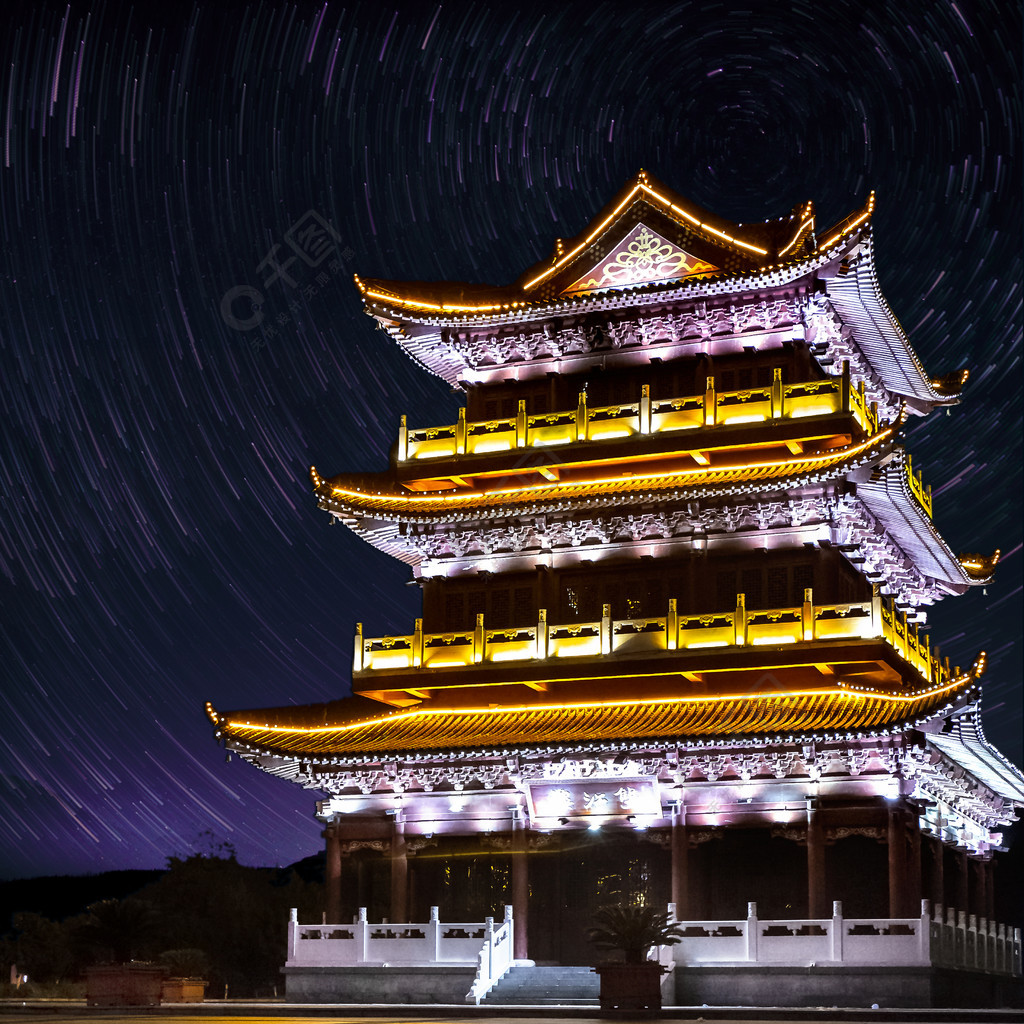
[462, 356]
[822, 514]
[954, 808]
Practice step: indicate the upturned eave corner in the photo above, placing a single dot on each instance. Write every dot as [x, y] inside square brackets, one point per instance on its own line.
[857, 220]
[980, 568]
[950, 386]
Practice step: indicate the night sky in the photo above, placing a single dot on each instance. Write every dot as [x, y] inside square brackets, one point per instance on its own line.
[159, 542]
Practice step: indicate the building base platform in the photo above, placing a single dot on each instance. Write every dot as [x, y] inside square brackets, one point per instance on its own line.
[867, 986]
[393, 983]
[719, 985]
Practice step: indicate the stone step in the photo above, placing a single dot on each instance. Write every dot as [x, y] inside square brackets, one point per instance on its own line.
[546, 986]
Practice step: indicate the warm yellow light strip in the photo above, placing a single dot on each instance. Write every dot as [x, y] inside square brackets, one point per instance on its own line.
[593, 234]
[551, 487]
[439, 307]
[702, 225]
[600, 705]
[640, 187]
[799, 232]
[845, 231]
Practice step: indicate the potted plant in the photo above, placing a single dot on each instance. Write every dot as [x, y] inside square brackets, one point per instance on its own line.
[632, 981]
[116, 930]
[185, 982]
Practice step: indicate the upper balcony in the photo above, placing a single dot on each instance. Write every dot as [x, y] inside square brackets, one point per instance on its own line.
[868, 643]
[777, 404]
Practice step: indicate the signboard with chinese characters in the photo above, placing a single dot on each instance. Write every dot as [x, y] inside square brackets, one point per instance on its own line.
[587, 797]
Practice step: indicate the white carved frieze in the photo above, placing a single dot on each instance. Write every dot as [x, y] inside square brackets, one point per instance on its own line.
[556, 340]
[849, 524]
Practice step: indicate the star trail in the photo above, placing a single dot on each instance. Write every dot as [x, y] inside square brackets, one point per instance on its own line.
[170, 365]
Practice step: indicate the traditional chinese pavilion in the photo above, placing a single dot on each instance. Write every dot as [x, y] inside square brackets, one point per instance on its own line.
[676, 566]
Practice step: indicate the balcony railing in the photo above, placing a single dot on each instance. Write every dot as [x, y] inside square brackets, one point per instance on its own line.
[605, 637]
[918, 489]
[648, 416]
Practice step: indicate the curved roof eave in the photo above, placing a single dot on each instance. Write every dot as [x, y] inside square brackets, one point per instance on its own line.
[722, 480]
[891, 501]
[784, 717]
[965, 744]
[857, 297]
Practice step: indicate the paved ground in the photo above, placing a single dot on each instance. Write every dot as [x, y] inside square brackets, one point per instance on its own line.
[278, 1013]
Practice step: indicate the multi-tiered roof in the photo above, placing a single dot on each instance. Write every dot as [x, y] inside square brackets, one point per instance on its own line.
[679, 465]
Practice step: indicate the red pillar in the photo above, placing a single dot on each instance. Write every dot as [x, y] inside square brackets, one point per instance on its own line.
[680, 865]
[399, 871]
[913, 835]
[816, 907]
[897, 862]
[332, 902]
[990, 888]
[961, 895]
[978, 900]
[937, 888]
[520, 886]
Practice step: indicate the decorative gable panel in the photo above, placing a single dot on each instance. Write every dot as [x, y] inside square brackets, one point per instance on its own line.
[642, 257]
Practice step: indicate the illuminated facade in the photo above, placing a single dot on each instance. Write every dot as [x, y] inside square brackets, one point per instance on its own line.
[675, 565]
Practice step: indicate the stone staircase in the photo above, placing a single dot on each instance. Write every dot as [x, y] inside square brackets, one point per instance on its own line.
[545, 986]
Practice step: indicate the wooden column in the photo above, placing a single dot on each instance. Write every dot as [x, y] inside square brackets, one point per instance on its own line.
[816, 907]
[978, 901]
[990, 888]
[399, 871]
[913, 836]
[897, 862]
[681, 865]
[520, 885]
[937, 886]
[960, 895]
[332, 900]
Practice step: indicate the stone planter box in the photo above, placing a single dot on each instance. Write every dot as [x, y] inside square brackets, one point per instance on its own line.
[183, 990]
[630, 986]
[134, 984]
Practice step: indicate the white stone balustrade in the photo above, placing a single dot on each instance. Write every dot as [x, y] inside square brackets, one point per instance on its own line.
[943, 938]
[495, 958]
[363, 943]
[947, 940]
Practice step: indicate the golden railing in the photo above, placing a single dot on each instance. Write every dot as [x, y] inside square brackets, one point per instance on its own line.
[917, 488]
[740, 627]
[648, 416]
